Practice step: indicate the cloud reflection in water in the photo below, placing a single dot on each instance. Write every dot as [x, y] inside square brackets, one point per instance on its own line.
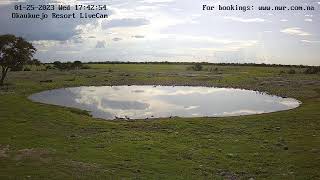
[140, 102]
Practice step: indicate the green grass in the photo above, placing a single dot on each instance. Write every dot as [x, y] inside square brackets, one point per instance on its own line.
[40, 141]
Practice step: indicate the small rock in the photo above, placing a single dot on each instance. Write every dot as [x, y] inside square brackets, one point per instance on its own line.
[230, 155]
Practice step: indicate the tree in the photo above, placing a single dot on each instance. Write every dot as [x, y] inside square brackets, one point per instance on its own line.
[57, 64]
[197, 67]
[35, 62]
[77, 64]
[68, 65]
[14, 52]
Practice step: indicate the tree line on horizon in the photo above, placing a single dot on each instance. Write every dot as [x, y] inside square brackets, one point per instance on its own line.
[202, 63]
[69, 65]
[16, 52]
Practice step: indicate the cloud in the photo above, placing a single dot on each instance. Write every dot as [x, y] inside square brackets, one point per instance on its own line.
[252, 20]
[9, 1]
[168, 32]
[116, 39]
[36, 29]
[44, 43]
[295, 31]
[101, 44]
[203, 44]
[125, 22]
[308, 20]
[310, 42]
[138, 36]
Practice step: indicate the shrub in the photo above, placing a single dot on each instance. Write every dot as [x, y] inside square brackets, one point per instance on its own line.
[292, 71]
[77, 65]
[213, 69]
[312, 70]
[196, 67]
[26, 69]
[69, 65]
[17, 68]
[49, 67]
[57, 65]
[282, 72]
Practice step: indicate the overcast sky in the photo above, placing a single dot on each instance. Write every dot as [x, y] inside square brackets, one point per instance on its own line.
[174, 30]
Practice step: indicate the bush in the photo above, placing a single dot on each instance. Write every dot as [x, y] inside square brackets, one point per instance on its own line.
[69, 65]
[57, 65]
[26, 69]
[49, 67]
[312, 70]
[76, 65]
[213, 69]
[282, 72]
[17, 68]
[196, 67]
[292, 71]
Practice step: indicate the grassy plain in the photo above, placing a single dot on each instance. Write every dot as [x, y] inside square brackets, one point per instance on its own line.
[40, 141]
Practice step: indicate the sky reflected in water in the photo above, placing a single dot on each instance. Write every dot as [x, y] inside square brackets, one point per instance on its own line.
[141, 102]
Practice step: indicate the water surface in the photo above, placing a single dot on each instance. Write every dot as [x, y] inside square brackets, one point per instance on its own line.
[141, 102]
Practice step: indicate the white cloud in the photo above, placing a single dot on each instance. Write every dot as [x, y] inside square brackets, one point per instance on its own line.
[10, 1]
[45, 43]
[310, 42]
[238, 19]
[117, 39]
[295, 31]
[138, 36]
[125, 22]
[308, 20]
[161, 29]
